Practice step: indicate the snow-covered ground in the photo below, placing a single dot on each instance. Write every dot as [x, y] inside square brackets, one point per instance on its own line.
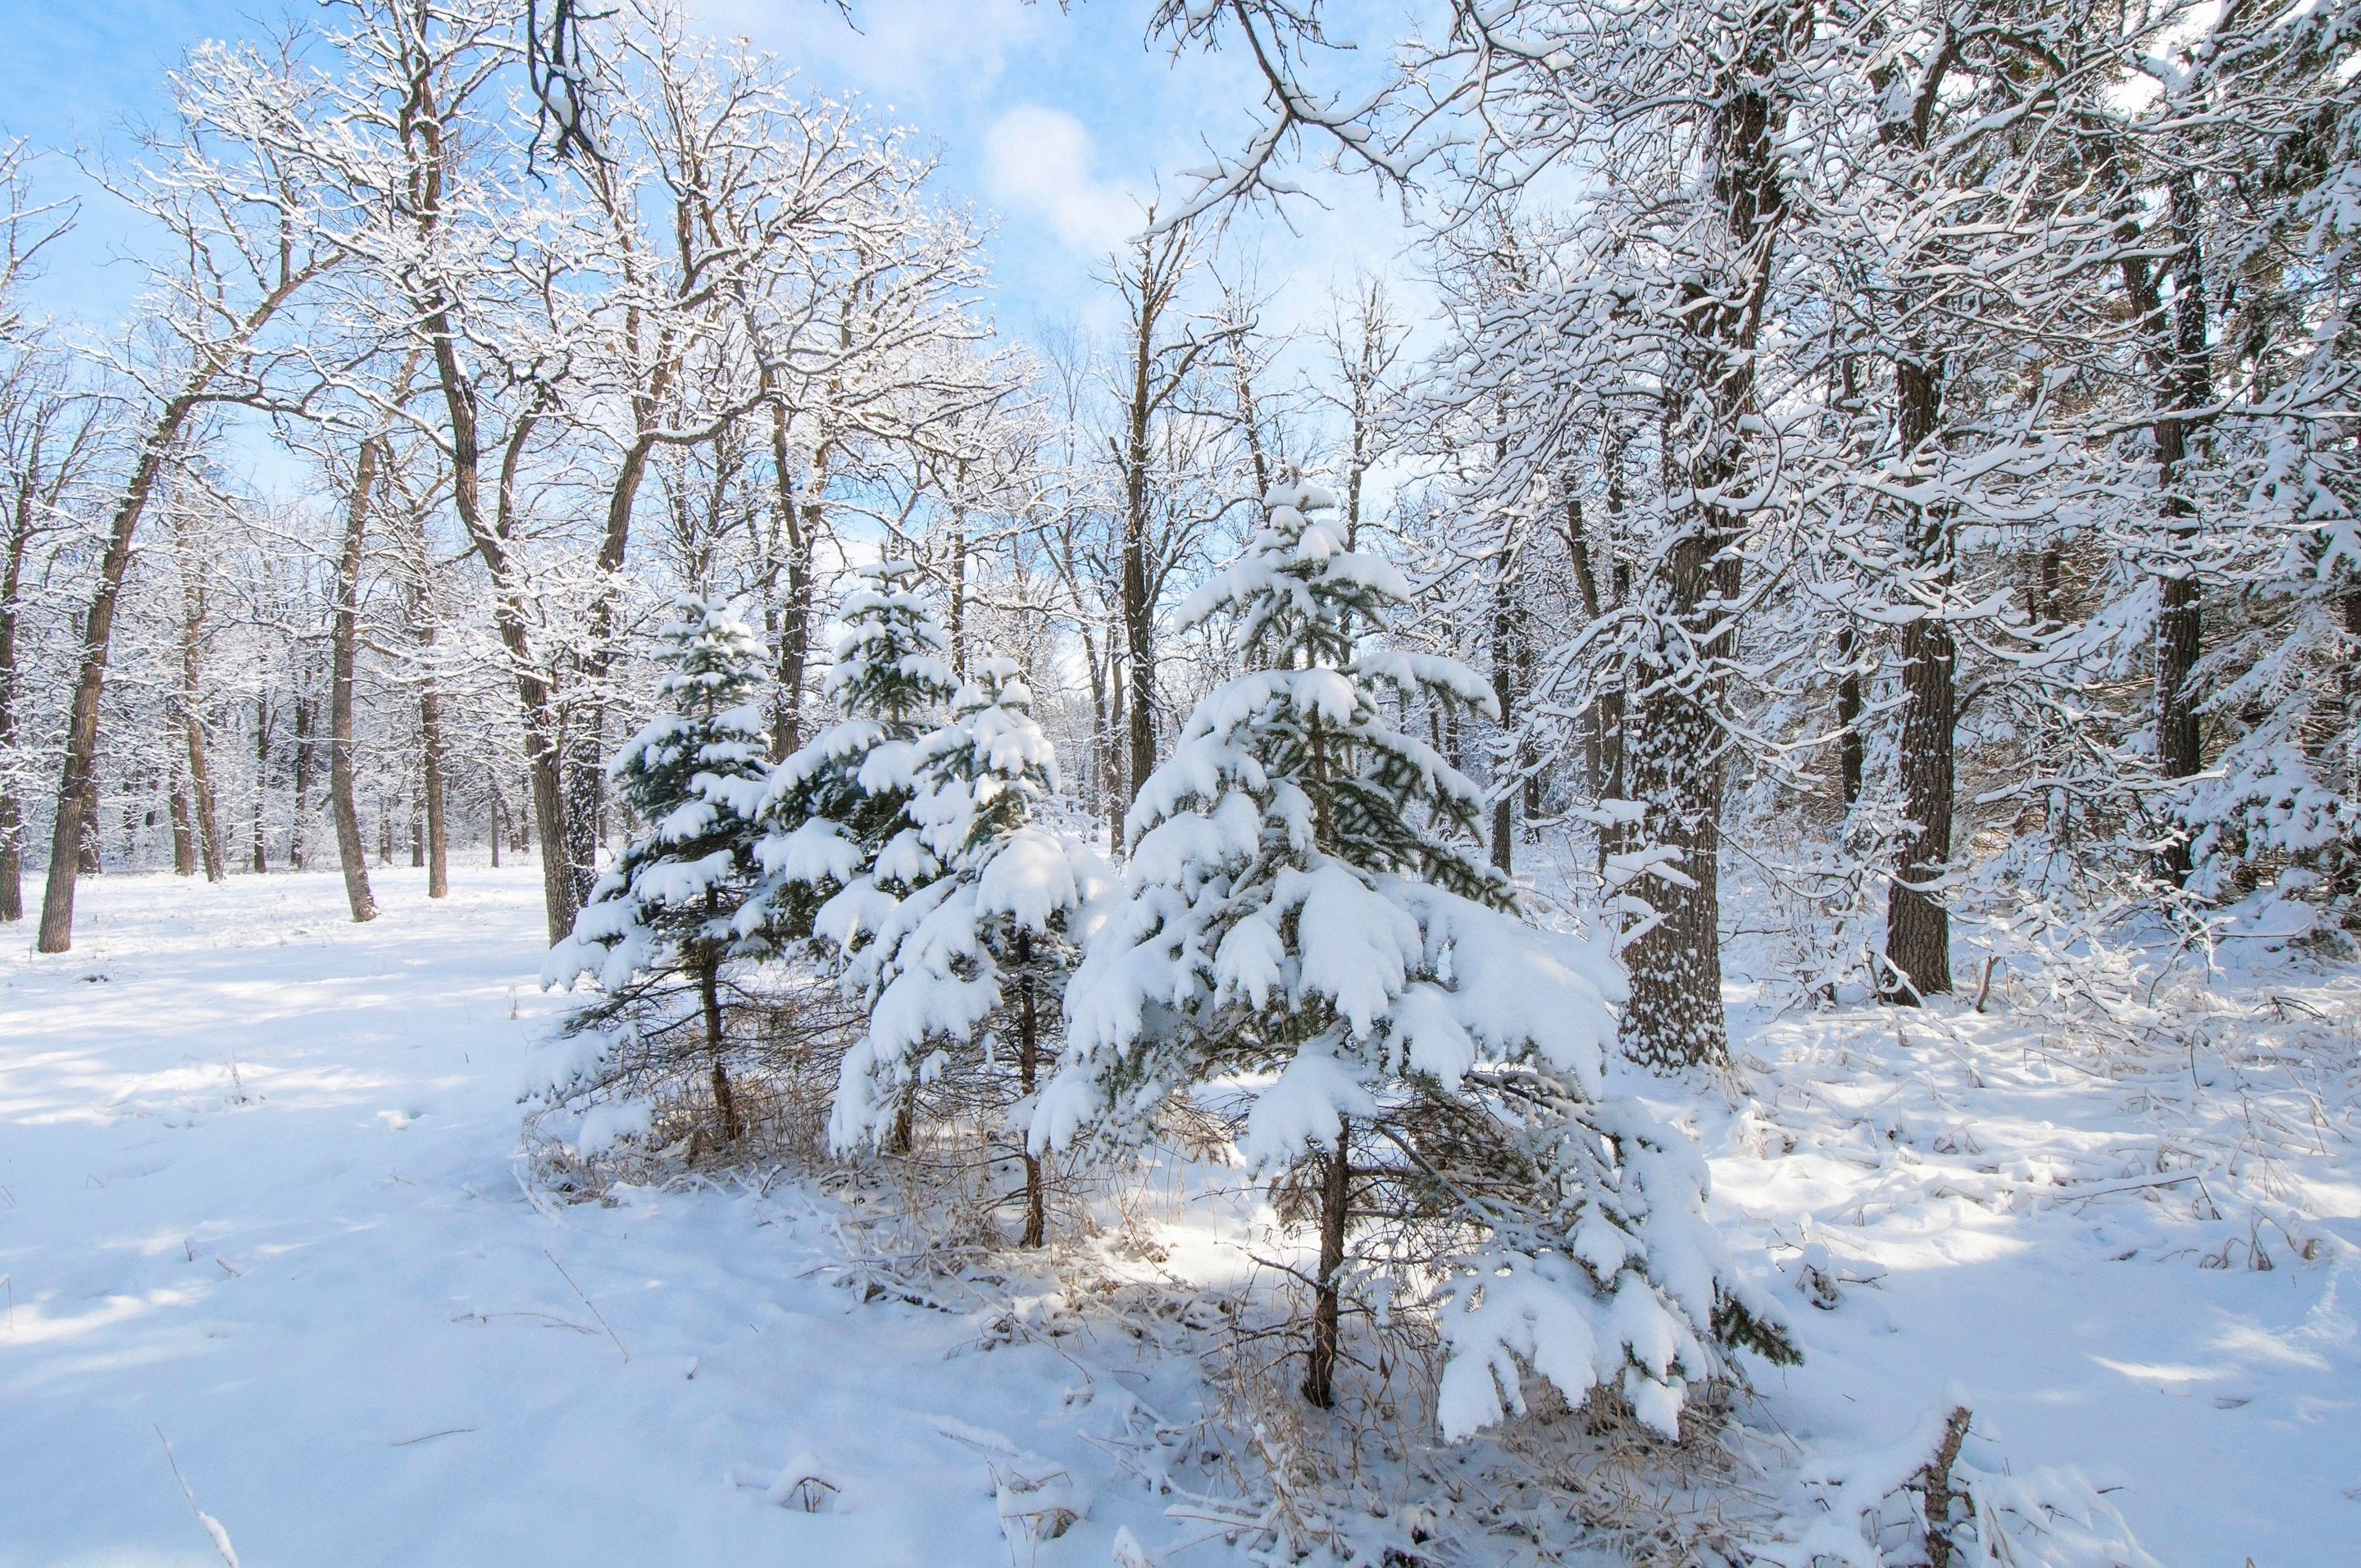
[260, 1197]
[257, 1193]
[2013, 1227]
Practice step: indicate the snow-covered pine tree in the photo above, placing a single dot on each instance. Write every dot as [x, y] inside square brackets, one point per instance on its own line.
[664, 912]
[1306, 899]
[838, 850]
[835, 805]
[983, 949]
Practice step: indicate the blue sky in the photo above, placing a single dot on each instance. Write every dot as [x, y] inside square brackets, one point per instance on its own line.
[1057, 122]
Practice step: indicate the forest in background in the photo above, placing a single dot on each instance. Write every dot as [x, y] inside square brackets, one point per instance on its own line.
[1876, 484]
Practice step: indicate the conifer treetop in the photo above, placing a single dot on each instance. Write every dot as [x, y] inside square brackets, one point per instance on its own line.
[1304, 891]
[889, 663]
[1302, 732]
[1010, 891]
[690, 773]
[833, 810]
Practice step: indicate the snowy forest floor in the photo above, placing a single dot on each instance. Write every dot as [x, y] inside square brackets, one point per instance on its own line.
[260, 1196]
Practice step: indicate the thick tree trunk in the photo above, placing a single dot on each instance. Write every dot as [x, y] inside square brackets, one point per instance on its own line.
[1155, 283]
[1327, 1296]
[802, 518]
[352, 853]
[548, 811]
[201, 795]
[586, 781]
[2179, 356]
[490, 537]
[1918, 926]
[1118, 795]
[1676, 749]
[184, 839]
[437, 845]
[1673, 758]
[87, 859]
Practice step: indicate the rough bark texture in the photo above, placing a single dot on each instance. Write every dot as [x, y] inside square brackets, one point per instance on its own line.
[86, 856]
[1676, 749]
[437, 845]
[1918, 926]
[184, 839]
[1675, 762]
[802, 517]
[1138, 630]
[2177, 358]
[352, 853]
[1935, 1486]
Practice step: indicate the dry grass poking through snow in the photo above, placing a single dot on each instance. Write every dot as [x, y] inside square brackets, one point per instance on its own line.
[2113, 1113]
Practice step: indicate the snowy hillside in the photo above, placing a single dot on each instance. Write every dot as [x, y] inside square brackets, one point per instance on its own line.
[259, 1194]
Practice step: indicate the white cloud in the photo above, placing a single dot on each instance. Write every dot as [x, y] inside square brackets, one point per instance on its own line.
[925, 50]
[1038, 163]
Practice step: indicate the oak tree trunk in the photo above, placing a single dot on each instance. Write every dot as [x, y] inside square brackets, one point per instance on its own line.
[352, 852]
[437, 844]
[184, 838]
[1918, 925]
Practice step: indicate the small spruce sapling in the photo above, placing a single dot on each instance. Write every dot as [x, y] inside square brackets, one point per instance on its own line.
[666, 910]
[838, 850]
[1306, 904]
[833, 814]
[988, 943]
